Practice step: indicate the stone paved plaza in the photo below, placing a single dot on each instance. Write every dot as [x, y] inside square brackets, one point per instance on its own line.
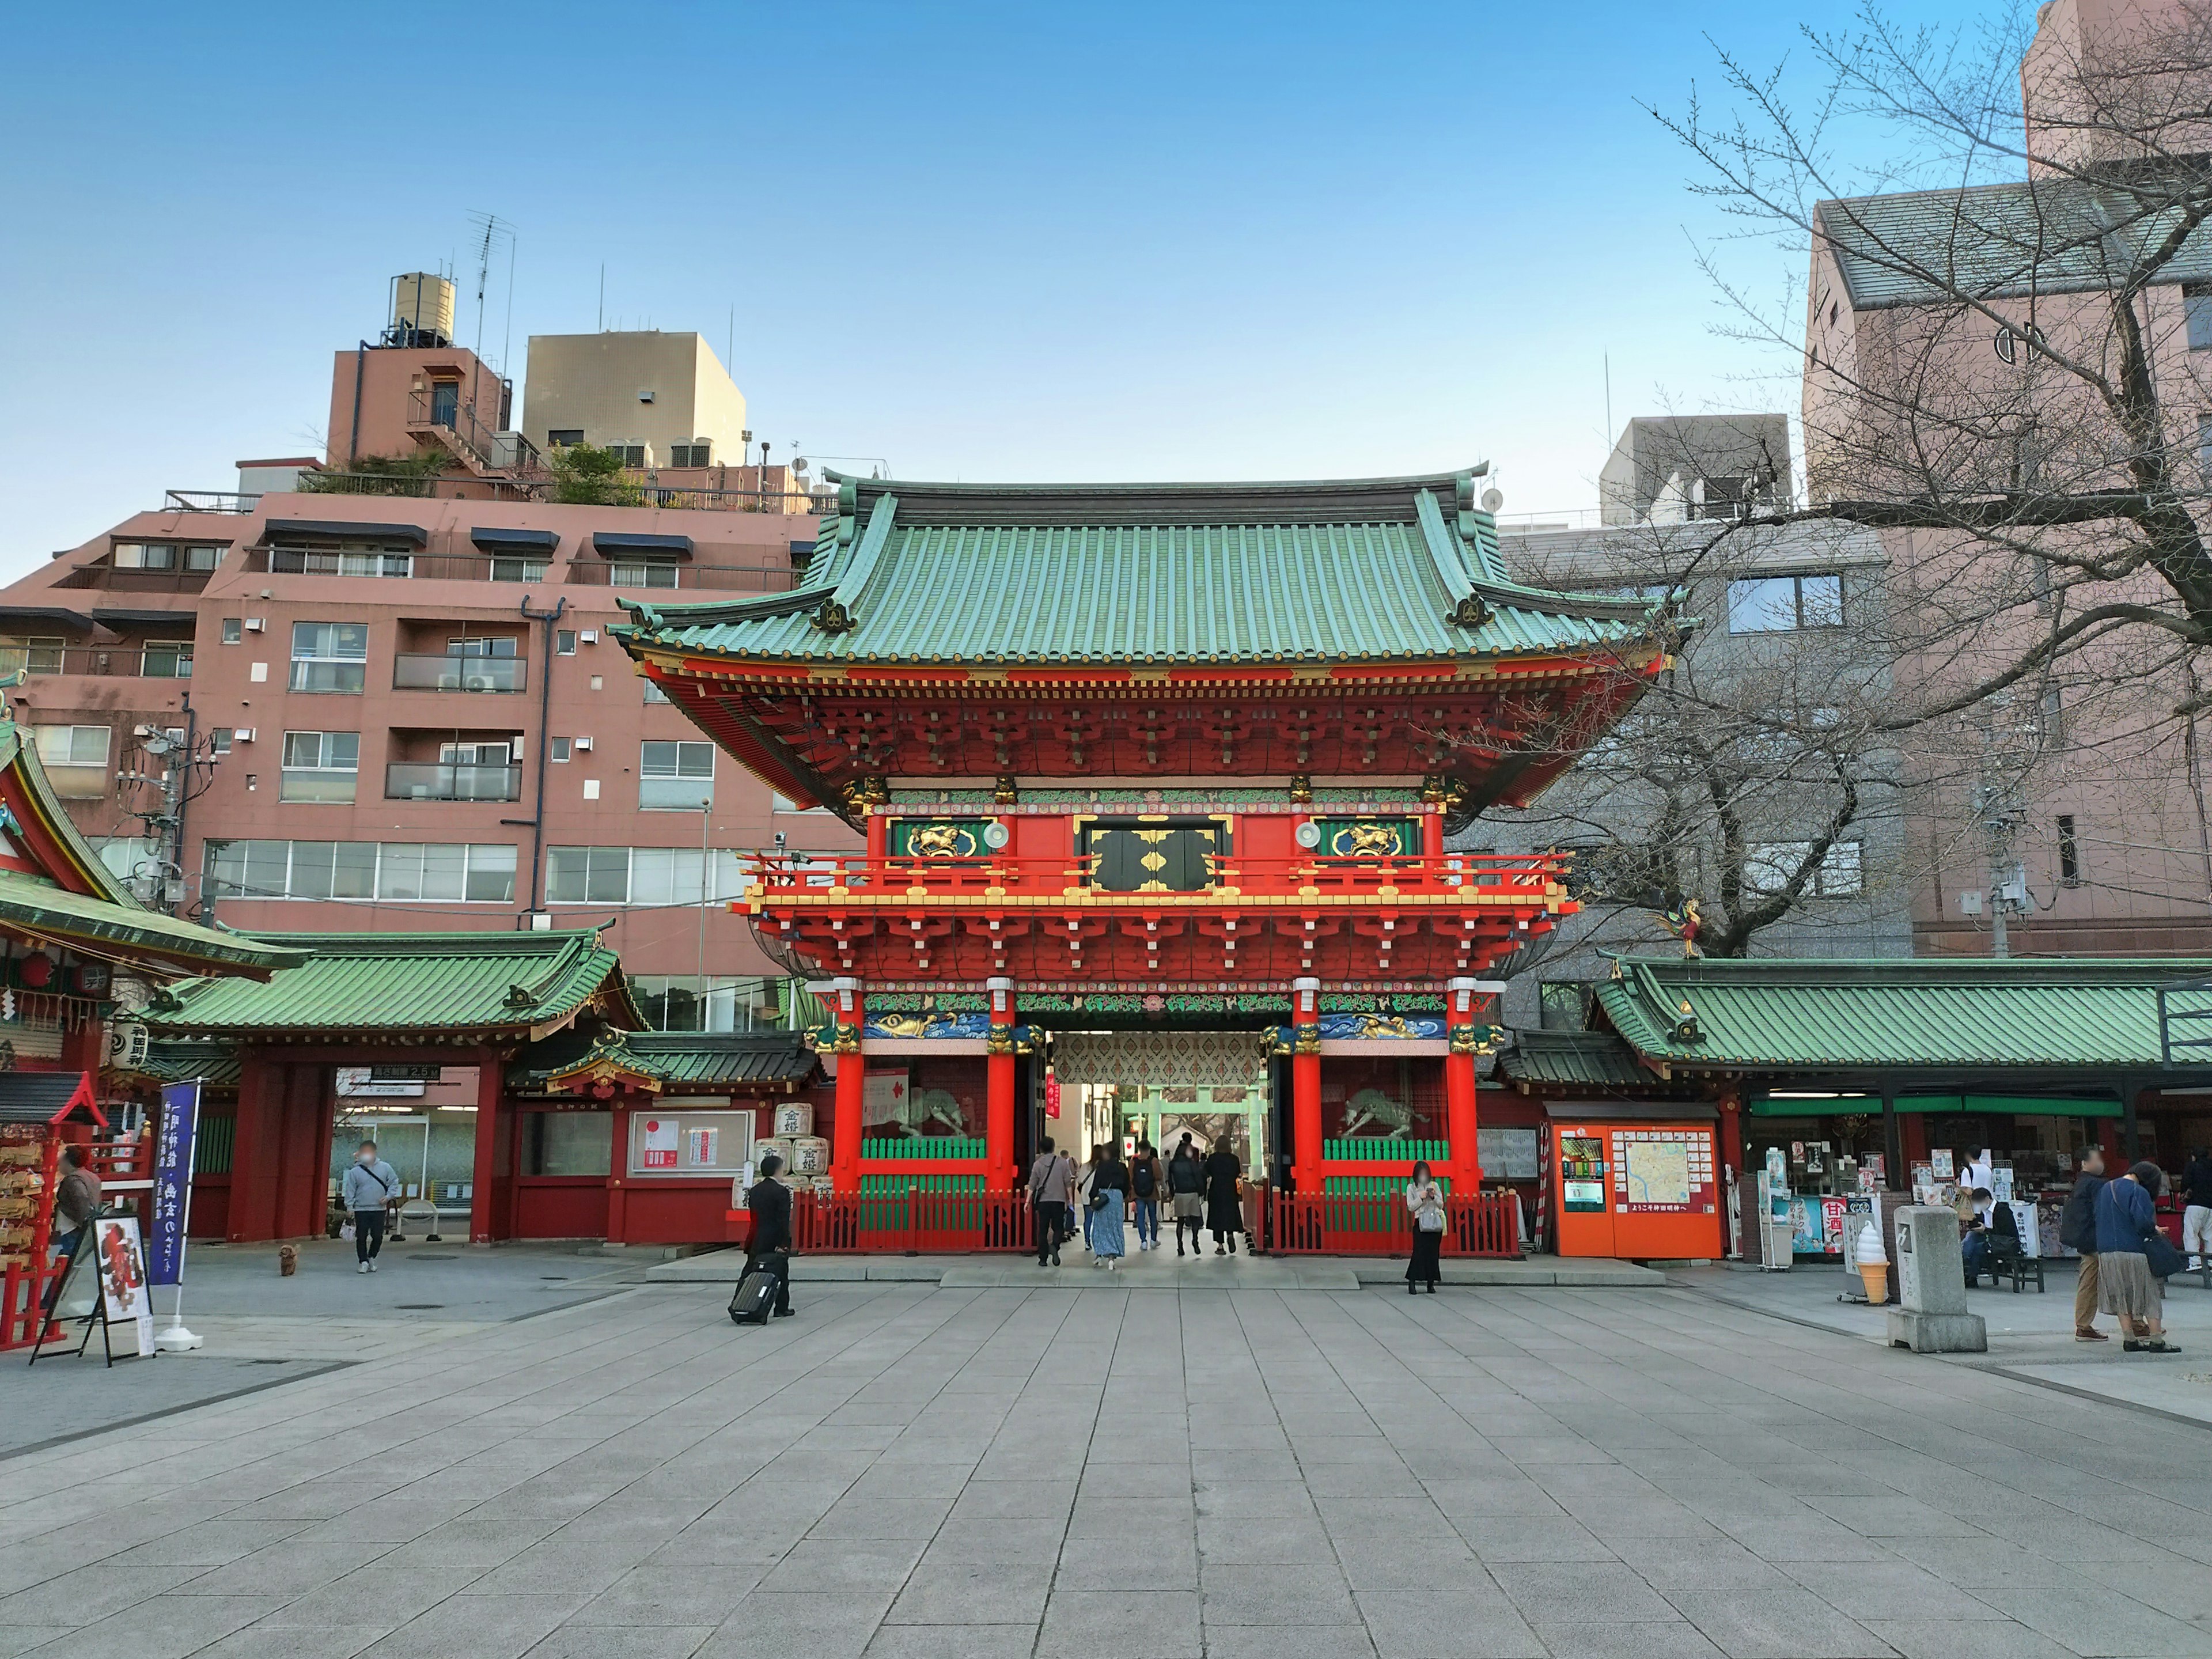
[908, 1470]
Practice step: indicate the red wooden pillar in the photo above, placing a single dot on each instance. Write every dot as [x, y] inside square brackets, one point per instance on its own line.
[999, 1097]
[1305, 1086]
[618, 1172]
[848, 1019]
[486, 1220]
[257, 1150]
[1731, 1104]
[1462, 1118]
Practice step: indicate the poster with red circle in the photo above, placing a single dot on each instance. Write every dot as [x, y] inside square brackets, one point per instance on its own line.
[660, 1143]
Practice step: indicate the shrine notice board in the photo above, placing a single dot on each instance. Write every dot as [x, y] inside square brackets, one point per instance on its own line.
[1638, 1190]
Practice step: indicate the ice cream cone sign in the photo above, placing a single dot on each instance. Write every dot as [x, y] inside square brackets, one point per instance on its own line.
[1872, 1263]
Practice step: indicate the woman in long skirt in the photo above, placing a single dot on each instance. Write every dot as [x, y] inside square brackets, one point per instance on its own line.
[1110, 1182]
[1224, 1202]
[1424, 1199]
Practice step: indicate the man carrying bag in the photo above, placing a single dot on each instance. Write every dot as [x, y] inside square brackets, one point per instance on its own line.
[1052, 1178]
[768, 1256]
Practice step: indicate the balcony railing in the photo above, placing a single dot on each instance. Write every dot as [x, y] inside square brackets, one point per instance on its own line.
[488, 445]
[412, 671]
[206, 500]
[721, 578]
[437, 781]
[1462, 876]
[105, 661]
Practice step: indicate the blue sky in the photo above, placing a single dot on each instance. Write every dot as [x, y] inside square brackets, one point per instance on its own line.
[1013, 242]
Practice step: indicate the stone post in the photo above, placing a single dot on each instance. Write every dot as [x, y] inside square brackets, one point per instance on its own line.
[1931, 1315]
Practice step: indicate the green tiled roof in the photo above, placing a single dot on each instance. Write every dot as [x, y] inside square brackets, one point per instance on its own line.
[1585, 1060]
[677, 1059]
[1926, 1012]
[38, 906]
[1364, 569]
[180, 1060]
[445, 986]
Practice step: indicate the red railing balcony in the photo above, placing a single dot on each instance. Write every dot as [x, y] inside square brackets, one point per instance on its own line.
[1442, 876]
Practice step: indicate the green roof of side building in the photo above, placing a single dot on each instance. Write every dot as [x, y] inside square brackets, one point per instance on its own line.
[1357, 570]
[1574, 1060]
[1930, 1013]
[429, 987]
[678, 1059]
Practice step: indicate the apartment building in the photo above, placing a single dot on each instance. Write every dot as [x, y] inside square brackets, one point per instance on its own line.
[319, 709]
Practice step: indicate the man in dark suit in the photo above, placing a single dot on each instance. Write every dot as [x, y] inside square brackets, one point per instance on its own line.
[770, 1201]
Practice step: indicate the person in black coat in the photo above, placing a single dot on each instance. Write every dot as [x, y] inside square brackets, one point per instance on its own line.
[2077, 1231]
[1224, 1205]
[769, 1202]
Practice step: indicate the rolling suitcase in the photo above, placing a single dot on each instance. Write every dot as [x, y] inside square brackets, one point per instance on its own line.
[756, 1294]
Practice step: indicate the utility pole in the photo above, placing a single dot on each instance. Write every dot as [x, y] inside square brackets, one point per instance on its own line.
[1999, 815]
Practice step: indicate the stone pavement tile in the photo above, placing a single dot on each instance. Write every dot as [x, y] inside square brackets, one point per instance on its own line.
[470, 1540]
[1081, 1624]
[1538, 1451]
[1462, 1624]
[1208, 1465]
[85, 1593]
[1282, 1499]
[1412, 1564]
[22, 1638]
[1165, 1563]
[1893, 1515]
[976, 1593]
[1572, 1592]
[1486, 1495]
[2099, 1621]
[1642, 1640]
[557, 1567]
[1530, 1538]
[1362, 1480]
[264, 1640]
[1287, 1642]
[882, 1517]
[1110, 1474]
[1015, 1500]
[1792, 1540]
[209, 1545]
[875, 1566]
[376, 1595]
[2167, 1583]
[1966, 1638]
[985, 1542]
[384, 1522]
[1119, 1517]
[810, 1625]
[476, 1627]
[1777, 1624]
[953, 1642]
[1240, 1594]
[1655, 1517]
[669, 1594]
[906, 1480]
[1316, 1449]
[166, 1627]
[1669, 1564]
[1344, 1516]
[573, 1641]
[291, 1567]
[1888, 1589]
[1263, 1539]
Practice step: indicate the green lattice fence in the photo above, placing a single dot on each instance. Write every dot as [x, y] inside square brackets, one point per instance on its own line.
[899, 1149]
[1373, 1186]
[1374, 1149]
[895, 1185]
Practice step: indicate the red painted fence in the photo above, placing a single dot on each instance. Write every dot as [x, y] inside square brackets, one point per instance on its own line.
[916, 1222]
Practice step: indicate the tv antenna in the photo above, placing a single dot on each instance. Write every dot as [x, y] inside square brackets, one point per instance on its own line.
[491, 232]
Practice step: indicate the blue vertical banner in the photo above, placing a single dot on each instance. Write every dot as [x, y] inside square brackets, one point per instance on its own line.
[173, 1183]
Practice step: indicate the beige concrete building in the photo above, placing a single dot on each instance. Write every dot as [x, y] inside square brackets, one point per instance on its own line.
[664, 399]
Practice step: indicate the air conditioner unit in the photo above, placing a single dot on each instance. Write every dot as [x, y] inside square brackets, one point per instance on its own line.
[583, 743]
[479, 682]
[257, 624]
[589, 637]
[242, 734]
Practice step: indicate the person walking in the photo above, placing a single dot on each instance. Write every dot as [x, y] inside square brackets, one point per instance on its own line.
[1085, 1185]
[1225, 1203]
[2196, 1218]
[1109, 1205]
[76, 1202]
[1052, 1185]
[2127, 1219]
[769, 1249]
[1425, 1202]
[1144, 1192]
[370, 1183]
[2077, 1231]
[1186, 1188]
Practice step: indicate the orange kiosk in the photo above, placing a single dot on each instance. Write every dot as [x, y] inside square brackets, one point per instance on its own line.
[1634, 1182]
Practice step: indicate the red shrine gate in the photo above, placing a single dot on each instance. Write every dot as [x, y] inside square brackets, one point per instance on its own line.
[1158, 756]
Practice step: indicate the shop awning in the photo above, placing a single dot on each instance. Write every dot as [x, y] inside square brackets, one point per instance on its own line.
[1960, 1105]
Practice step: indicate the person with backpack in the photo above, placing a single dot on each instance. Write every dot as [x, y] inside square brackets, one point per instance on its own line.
[1186, 1185]
[769, 1202]
[2077, 1231]
[1144, 1190]
[1052, 1185]
[370, 1183]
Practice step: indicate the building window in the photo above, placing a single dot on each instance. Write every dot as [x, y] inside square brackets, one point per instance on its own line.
[556, 749]
[34, 656]
[675, 776]
[1769, 865]
[564, 641]
[1564, 1005]
[652, 691]
[633, 455]
[220, 738]
[2069, 849]
[73, 746]
[233, 630]
[641, 875]
[566, 438]
[656, 574]
[683, 1002]
[474, 874]
[320, 766]
[165, 556]
[1784, 605]
[330, 656]
[509, 569]
[2197, 306]
[167, 659]
[693, 454]
[342, 560]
